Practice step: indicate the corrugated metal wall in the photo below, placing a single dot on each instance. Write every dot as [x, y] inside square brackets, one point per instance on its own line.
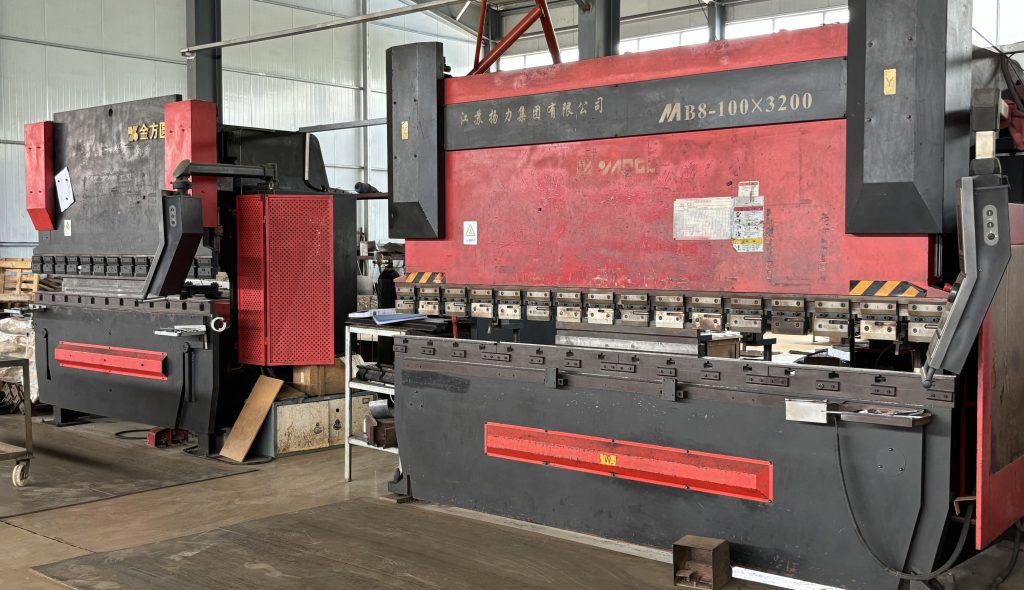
[57, 55]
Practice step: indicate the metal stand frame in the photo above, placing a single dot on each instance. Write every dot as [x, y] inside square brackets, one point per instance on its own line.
[22, 456]
[351, 384]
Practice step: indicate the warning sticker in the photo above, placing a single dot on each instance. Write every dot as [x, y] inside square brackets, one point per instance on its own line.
[469, 233]
[708, 218]
[749, 188]
[748, 223]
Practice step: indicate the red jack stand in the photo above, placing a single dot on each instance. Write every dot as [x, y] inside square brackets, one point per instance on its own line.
[165, 437]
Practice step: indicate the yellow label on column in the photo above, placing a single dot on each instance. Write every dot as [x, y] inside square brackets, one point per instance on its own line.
[889, 82]
[608, 460]
[405, 131]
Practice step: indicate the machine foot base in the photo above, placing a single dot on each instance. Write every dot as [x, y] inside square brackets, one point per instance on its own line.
[397, 498]
[65, 417]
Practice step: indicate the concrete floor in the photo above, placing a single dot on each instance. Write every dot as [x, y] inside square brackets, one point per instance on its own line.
[284, 486]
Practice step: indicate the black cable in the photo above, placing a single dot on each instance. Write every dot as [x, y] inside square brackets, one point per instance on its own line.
[121, 435]
[1008, 571]
[961, 542]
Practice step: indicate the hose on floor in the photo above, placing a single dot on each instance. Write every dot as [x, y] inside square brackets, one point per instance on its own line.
[123, 435]
[1008, 571]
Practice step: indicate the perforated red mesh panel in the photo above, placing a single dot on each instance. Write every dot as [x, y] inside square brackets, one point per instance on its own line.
[251, 285]
[300, 280]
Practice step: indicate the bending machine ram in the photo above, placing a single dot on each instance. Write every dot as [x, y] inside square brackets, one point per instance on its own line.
[194, 256]
[602, 222]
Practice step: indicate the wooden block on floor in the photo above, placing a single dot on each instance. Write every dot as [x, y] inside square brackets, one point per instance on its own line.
[249, 421]
[317, 380]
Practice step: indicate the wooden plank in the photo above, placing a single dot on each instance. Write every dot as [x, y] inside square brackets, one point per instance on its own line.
[243, 433]
[18, 284]
[15, 263]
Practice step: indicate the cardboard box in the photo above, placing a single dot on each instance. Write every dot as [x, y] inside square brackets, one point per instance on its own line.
[317, 380]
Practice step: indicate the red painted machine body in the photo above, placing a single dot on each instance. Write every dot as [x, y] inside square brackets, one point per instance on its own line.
[191, 134]
[40, 188]
[285, 279]
[999, 477]
[600, 213]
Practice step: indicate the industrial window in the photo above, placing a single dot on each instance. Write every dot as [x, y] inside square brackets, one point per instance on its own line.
[658, 42]
[697, 35]
[692, 36]
[749, 28]
[998, 21]
[786, 22]
[535, 59]
[839, 15]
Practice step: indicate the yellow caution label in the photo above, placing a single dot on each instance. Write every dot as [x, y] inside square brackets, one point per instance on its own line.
[405, 131]
[889, 82]
[885, 289]
[424, 277]
[608, 460]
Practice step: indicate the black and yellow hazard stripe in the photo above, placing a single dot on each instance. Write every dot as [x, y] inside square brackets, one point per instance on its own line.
[885, 289]
[424, 277]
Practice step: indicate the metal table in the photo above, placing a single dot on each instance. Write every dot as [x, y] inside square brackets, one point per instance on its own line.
[351, 384]
[20, 455]
[365, 326]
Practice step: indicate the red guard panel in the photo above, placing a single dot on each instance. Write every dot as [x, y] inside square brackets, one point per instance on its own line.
[252, 263]
[40, 188]
[1016, 223]
[191, 134]
[600, 214]
[1000, 449]
[286, 279]
[147, 364]
[722, 475]
[300, 280]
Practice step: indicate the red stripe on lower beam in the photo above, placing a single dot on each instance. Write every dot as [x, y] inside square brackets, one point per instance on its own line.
[147, 364]
[722, 475]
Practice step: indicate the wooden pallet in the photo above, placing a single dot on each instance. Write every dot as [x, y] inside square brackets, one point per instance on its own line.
[18, 284]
